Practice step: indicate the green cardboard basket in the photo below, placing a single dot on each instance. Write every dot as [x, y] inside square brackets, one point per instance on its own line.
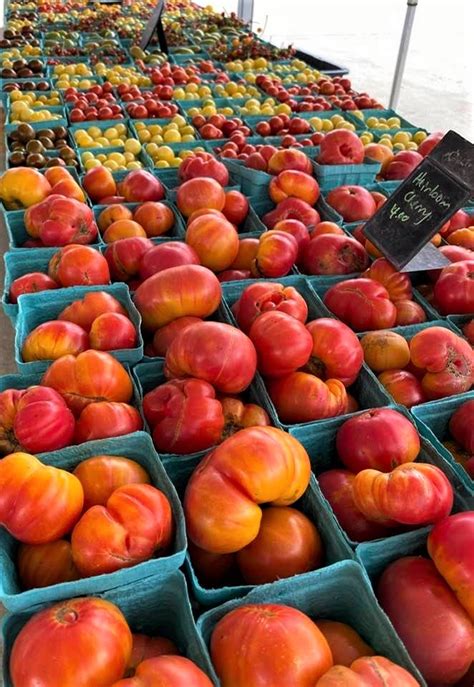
[330, 176]
[320, 442]
[139, 447]
[153, 605]
[432, 420]
[339, 592]
[34, 309]
[311, 503]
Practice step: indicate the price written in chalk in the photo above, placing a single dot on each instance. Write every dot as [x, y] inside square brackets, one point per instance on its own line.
[414, 200]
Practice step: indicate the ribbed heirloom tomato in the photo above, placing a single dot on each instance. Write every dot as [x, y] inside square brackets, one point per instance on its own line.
[184, 416]
[214, 352]
[83, 312]
[398, 284]
[267, 297]
[337, 353]
[38, 503]
[136, 522]
[302, 397]
[446, 359]
[363, 304]
[372, 671]
[166, 671]
[59, 646]
[87, 378]
[253, 632]
[54, 339]
[450, 545]
[223, 497]
[283, 343]
[105, 419]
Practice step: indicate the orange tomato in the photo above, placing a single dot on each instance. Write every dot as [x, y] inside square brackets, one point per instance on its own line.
[398, 284]
[38, 503]
[255, 466]
[136, 523]
[40, 565]
[385, 350]
[100, 476]
[345, 643]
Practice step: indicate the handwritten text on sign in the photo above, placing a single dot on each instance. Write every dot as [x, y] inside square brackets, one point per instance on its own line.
[414, 199]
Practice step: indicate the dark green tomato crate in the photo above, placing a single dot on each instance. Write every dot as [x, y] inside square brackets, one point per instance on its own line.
[432, 420]
[375, 556]
[176, 232]
[311, 504]
[388, 187]
[148, 375]
[254, 183]
[340, 592]
[139, 447]
[330, 176]
[34, 309]
[319, 440]
[153, 605]
[16, 264]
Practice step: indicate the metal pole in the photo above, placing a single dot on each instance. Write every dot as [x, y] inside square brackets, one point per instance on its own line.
[245, 11]
[402, 53]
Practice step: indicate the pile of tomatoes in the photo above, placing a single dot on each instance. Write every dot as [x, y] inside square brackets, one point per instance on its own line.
[232, 381]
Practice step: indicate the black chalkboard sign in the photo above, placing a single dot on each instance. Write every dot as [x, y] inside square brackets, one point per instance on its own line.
[155, 24]
[440, 185]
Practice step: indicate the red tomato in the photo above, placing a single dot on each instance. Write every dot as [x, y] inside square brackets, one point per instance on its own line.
[91, 375]
[276, 255]
[58, 646]
[83, 312]
[254, 466]
[282, 342]
[336, 486]
[447, 360]
[215, 352]
[36, 420]
[100, 476]
[409, 312]
[268, 297]
[112, 331]
[54, 339]
[187, 290]
[287, 544]
[38, 503]
[76, 265]
[412, 494]
[454, 290]
[363, 304]
[420, 604]
[166, 671]
[145, 647]
[345, 643]
[165, 335]
[302, 397]
[334, 254]
[184, 416]
[40, 565]
[381, 438]
[450, 545]
[405, 388]
[461, 426]
[212, 569]
[136, 523]
[106, 419]
[252, 632]
[337, 353]
[30, 283]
